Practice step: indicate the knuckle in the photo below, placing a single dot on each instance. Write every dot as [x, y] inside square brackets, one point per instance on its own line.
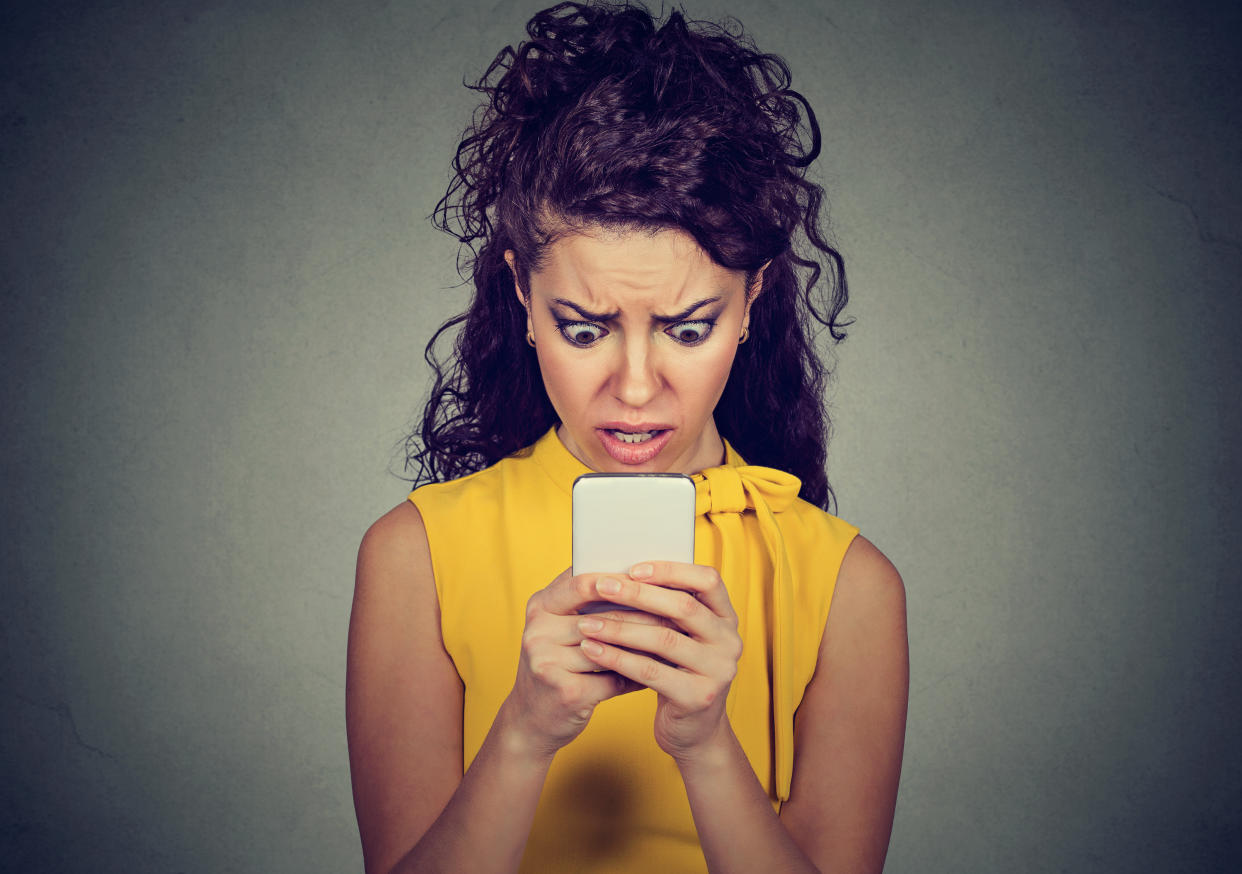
[570, 693]
[705, 693]
[648, 672]
[668, 639]
[685, 606]
[541, 668]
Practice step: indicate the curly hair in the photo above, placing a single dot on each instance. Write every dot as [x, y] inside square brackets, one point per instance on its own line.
[603, 118]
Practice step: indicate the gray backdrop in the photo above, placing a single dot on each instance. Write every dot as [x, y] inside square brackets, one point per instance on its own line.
[218, 279]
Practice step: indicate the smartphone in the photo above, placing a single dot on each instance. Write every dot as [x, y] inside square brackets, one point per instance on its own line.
[620, 519]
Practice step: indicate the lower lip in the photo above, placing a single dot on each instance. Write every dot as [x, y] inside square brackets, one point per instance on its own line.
[633, 453]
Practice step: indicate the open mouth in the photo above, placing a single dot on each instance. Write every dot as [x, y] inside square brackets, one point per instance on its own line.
[634, 436]
[632, 446]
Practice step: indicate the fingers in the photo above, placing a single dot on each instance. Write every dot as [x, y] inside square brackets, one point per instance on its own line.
[703, 581]
[690, 689]
[597, 684]
[692, 597]
[637, 617]
[549, 630]
[563, 596]
[689, 654]
[665, 642]
[547, 661]
[557, 686]
[568, 595]
[551, 642]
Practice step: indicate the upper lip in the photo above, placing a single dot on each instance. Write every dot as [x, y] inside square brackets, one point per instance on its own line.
[634, 428]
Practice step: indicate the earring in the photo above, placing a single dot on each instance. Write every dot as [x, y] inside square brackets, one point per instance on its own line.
[745, 335]
[530, 338]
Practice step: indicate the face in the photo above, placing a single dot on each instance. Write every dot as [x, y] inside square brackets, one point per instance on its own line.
[635, 334]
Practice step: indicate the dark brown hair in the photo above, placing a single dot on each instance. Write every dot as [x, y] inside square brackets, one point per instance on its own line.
[604, 117]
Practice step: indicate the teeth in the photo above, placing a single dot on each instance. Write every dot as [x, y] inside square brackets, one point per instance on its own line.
[626, 437]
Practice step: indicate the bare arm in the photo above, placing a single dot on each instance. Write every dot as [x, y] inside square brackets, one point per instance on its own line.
[403, 697]
[416, 810]
[404, 719]
[849, 732]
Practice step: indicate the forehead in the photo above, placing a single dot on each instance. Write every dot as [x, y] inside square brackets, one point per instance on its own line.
[615, 268]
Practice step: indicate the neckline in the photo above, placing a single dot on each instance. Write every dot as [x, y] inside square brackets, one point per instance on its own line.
[563, 467]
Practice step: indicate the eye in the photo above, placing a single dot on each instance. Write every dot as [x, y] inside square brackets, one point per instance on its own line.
[691, 333]
[580, 334]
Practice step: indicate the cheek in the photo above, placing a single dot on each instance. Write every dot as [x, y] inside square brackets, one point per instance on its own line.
[705, 377]
[565, 379]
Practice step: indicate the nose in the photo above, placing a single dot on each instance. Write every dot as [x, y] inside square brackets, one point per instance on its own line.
[637, 379]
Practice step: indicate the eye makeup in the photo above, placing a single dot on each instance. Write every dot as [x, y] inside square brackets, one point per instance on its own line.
[588, 316]
[586, 334]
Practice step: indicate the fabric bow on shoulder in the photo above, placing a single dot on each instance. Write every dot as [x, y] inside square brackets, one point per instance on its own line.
[724, 495]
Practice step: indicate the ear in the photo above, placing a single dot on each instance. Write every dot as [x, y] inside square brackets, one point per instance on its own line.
[755, 289]
[511, 260]
[756, 284]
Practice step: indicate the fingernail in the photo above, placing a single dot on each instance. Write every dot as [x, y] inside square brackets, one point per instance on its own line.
[641, 571]
[589, 625]
[592, 648]
[609, 586]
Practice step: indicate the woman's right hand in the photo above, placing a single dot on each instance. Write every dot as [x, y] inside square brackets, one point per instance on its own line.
[557, 687]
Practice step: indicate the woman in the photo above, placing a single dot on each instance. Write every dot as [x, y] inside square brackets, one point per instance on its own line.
[632, 194]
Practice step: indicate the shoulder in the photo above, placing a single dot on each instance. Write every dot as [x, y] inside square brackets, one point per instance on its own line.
[817, 544]
[805, 520]
[396, 537]
[869, 601]
[474, 491]
[868, 570]
[394, 566]
[869, 583]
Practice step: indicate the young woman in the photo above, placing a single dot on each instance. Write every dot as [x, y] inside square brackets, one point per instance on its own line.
[647, 269]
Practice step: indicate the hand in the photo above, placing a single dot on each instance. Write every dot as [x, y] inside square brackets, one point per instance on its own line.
[689, 659]
[557, 686]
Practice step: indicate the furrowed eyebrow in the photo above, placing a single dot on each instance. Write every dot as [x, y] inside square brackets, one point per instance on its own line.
[686, 313]
[587, 314]
[664, 320]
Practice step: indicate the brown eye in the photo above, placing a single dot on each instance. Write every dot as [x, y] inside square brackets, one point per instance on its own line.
[581, 333]
[690, 333]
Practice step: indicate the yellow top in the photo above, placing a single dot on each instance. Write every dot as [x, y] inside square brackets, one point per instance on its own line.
[613, 801]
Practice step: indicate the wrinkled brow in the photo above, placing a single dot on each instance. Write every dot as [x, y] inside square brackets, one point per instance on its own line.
[608, 317]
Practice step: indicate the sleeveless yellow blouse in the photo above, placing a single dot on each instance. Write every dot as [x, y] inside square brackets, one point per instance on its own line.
[613, 801]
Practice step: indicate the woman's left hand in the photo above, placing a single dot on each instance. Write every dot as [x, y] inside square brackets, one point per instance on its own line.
[689, 660]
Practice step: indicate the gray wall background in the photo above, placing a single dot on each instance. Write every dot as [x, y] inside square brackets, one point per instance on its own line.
[218, 279]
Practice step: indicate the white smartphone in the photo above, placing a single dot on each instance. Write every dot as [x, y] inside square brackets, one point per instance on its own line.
[620, 519]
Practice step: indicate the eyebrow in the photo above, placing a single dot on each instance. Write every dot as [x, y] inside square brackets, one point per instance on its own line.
[664, 320]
